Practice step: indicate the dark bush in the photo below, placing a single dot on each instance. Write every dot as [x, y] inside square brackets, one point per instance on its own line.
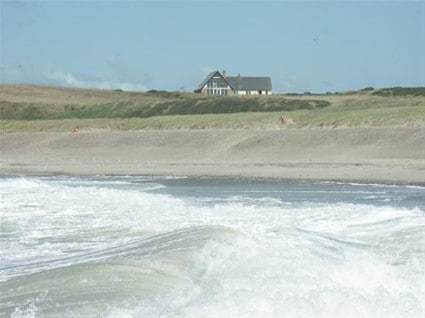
[401, 91]
[182, 106]
[226, 106]
[164, 94]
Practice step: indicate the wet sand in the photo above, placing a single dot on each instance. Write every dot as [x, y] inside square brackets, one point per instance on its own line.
[383, 155]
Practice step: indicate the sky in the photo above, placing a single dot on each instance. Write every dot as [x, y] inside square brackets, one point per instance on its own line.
[316, 46]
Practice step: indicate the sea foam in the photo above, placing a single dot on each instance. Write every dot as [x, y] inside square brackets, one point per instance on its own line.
[140, 246]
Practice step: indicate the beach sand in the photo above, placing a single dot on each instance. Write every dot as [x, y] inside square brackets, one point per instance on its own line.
[384, 155]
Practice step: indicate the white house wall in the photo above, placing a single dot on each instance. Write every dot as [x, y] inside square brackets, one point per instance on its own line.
[205, 89]
[253, 93]
[216, 89]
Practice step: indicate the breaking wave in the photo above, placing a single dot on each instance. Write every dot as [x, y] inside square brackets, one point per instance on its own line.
[151, 247]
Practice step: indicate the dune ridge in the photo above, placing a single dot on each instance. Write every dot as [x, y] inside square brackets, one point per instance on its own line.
[375, 154]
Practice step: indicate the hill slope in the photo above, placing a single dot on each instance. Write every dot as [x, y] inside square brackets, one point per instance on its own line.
[41, 108]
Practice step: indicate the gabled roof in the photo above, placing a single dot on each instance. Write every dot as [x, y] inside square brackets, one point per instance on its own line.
[211, 75]
[241, 83]
[245, 83]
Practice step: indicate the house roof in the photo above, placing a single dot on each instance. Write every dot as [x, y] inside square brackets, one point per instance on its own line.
[245, 83]
[241, 83]
[211, 75]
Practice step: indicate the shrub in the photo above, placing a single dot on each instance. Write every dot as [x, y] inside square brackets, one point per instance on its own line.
[401, 91]
[181, 106]
[226, 106]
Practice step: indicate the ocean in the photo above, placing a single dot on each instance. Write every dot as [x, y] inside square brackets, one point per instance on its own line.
[140, 246]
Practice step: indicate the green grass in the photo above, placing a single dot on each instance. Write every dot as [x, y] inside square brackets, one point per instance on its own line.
[401, 91]
[144, 109]
[45, 110]
[361, 117]
[224, 121]
[333, 117]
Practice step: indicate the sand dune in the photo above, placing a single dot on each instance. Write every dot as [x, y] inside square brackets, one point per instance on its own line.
[356, 154]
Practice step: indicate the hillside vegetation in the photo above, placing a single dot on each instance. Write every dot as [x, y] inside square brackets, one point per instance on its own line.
[142, 105]
[41, 108]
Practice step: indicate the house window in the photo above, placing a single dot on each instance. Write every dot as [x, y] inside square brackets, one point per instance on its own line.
[217, 82]
[217, 91]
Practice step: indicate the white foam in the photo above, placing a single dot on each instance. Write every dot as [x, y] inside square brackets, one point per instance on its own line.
[244, 278]
[235, 256]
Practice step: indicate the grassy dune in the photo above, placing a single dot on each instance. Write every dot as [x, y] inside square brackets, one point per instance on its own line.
[33, 105]
[43, 108]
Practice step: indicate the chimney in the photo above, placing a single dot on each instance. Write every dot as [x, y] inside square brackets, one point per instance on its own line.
[224, 73]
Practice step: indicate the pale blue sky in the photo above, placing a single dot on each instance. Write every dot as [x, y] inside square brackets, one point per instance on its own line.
[315, 46]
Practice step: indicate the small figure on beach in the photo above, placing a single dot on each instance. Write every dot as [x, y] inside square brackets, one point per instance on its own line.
[76, 130]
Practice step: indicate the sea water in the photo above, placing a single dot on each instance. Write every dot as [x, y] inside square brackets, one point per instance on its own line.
[139, 246]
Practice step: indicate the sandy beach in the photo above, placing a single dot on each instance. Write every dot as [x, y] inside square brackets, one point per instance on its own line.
[388, 155]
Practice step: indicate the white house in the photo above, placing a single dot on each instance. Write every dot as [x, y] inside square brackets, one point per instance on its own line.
[217, 83]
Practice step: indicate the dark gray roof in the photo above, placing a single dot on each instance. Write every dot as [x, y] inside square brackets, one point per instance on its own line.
[205, 81]
[241, 83]
[209, 76]
[245, 83]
